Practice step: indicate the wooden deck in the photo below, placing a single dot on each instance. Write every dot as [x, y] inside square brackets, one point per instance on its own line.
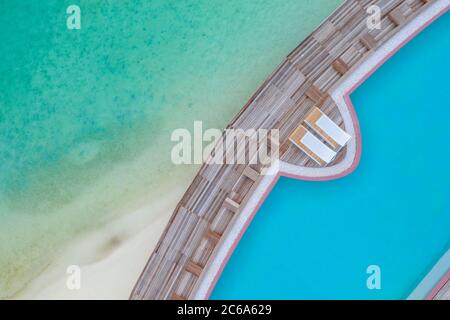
[444, 292]
[218, 192]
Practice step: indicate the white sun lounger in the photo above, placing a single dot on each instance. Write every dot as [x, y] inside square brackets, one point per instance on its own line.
[312, 146]
[327, 129]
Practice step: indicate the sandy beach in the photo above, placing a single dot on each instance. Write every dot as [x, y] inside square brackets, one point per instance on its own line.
[111, 258]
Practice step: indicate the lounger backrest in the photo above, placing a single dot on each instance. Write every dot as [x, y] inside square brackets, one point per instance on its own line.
[312, 146]
[327, 129]
[318, 147]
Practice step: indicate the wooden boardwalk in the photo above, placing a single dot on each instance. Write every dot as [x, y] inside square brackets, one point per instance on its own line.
[444, 292]
[219, 192]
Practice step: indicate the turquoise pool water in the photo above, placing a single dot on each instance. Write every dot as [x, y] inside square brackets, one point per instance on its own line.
[314, 240]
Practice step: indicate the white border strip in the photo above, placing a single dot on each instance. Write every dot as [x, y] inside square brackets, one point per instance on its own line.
[433, 277]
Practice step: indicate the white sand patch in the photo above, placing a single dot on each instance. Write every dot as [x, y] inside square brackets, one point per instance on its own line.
[110, 259]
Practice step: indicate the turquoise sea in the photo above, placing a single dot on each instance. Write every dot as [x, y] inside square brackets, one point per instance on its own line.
[315, 240]
[86, 115]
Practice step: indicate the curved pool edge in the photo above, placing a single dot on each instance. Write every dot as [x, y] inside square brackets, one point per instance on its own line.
[341, 96]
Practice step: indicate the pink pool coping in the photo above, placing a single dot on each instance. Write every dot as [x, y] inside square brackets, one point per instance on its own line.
[356, 159]
[439, 286]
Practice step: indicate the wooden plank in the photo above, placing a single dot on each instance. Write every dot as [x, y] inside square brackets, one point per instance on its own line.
[397, 17]
[194, 268]
[231, 204]
[251, 173]
[213, 236]
[324, 33]
[369, 41]
[176, 296]
[314, 94]
[340, 66]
